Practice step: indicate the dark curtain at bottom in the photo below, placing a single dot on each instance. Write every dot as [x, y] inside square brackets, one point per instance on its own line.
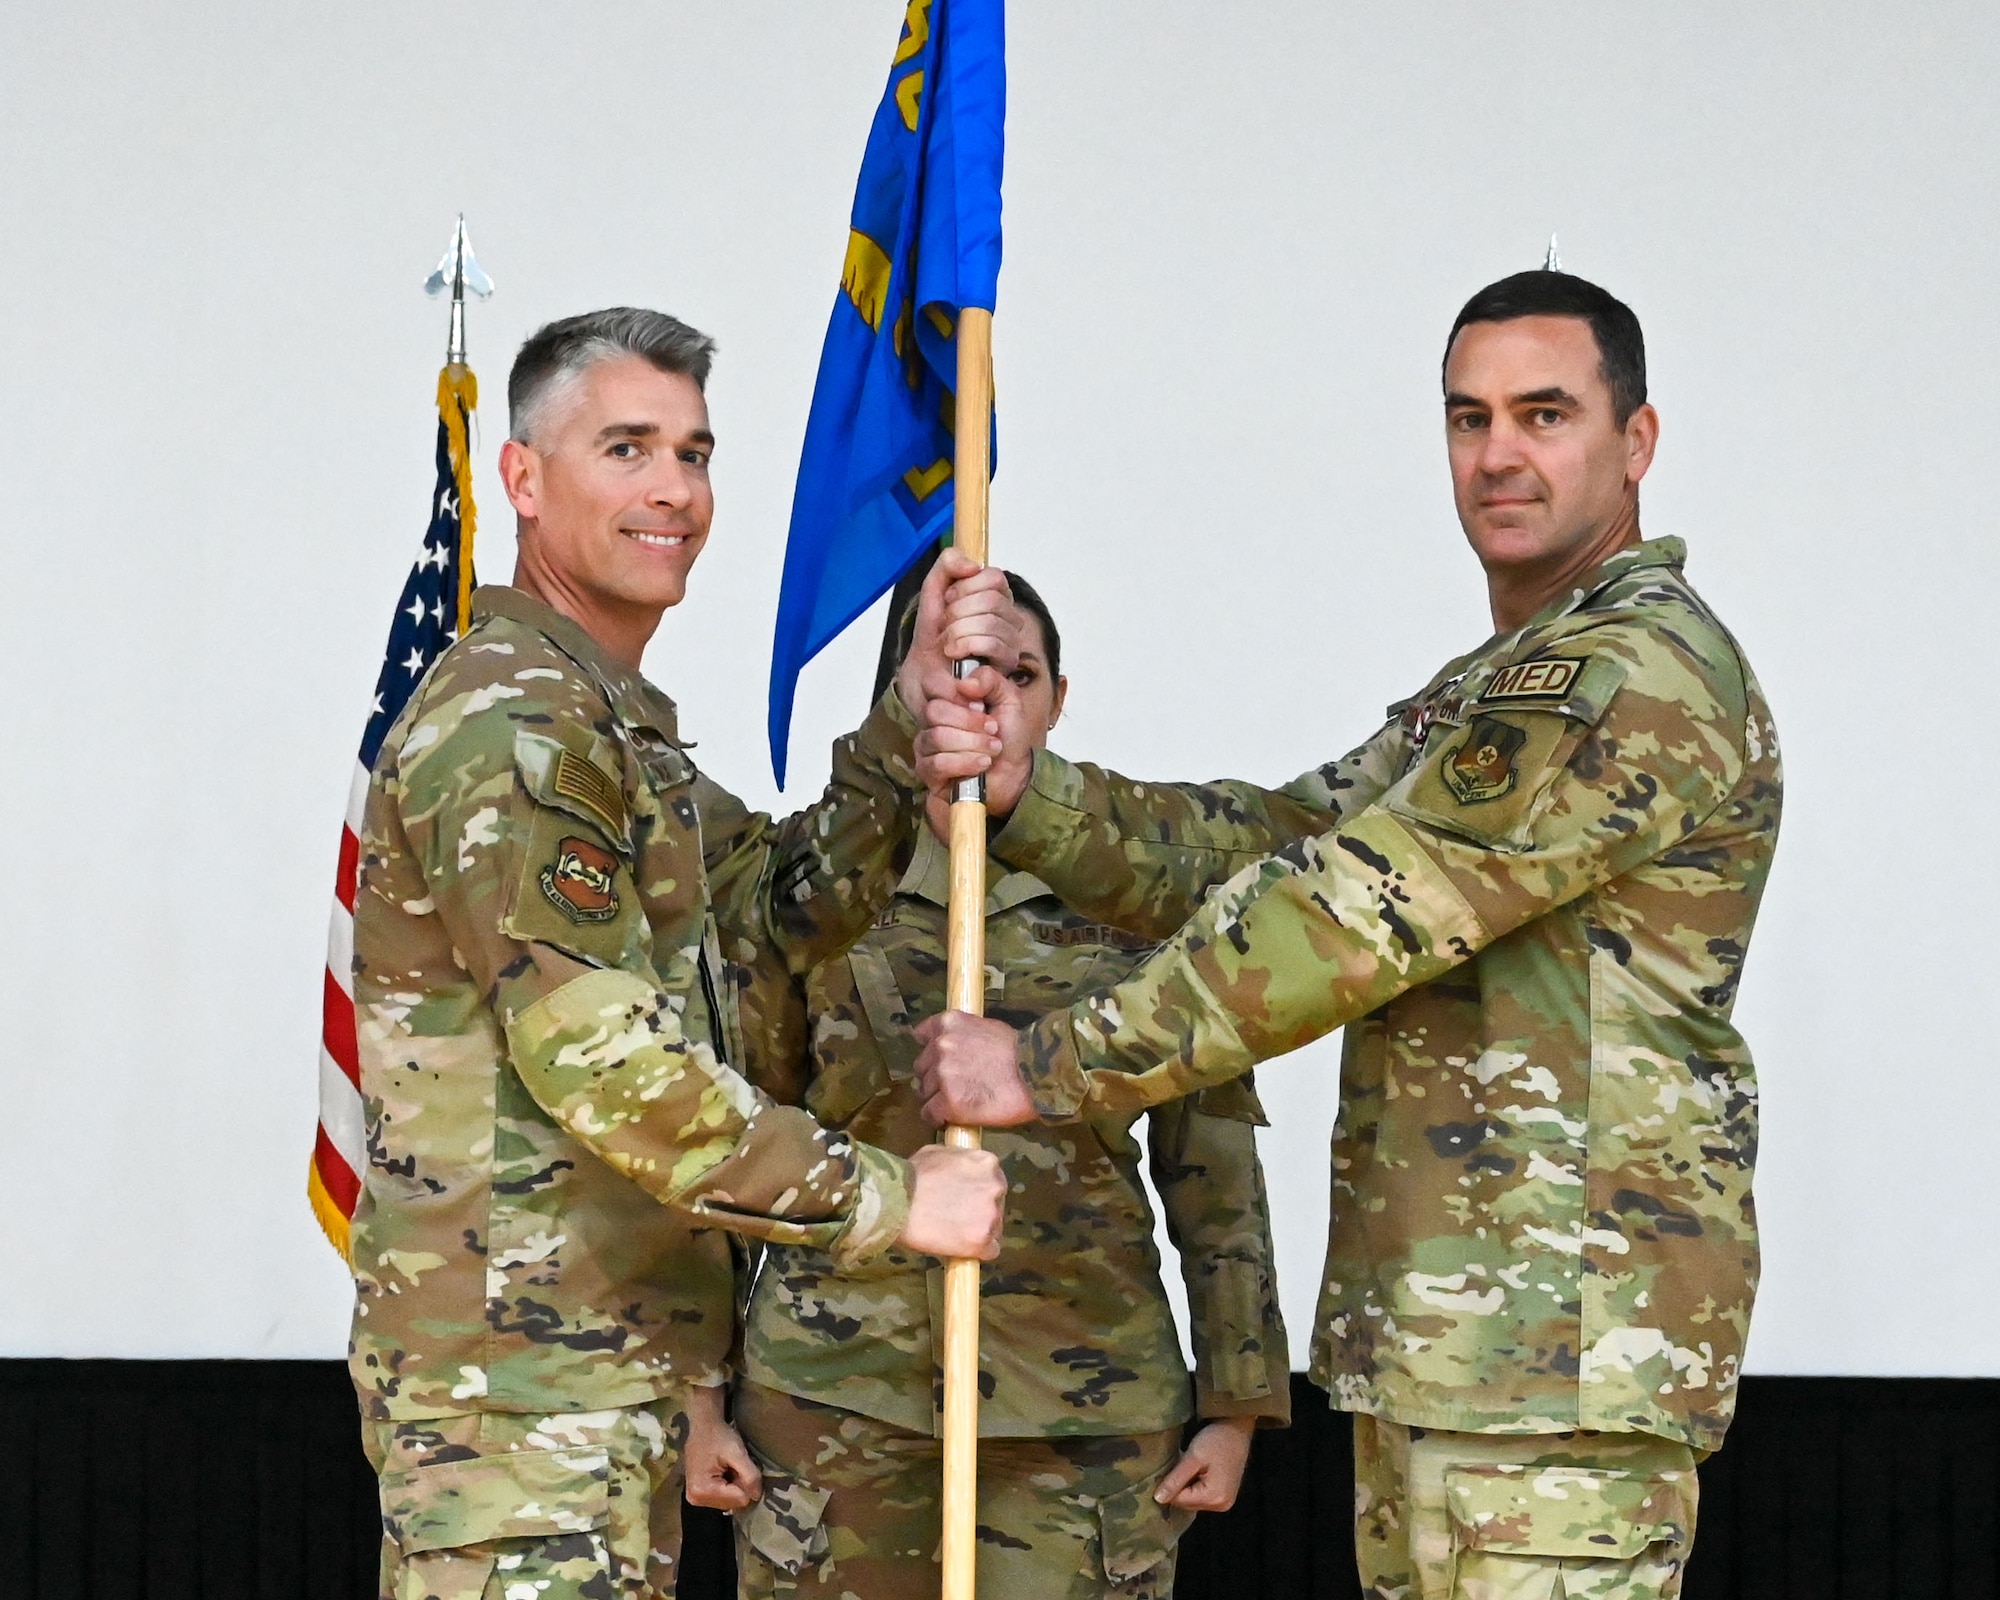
[244, 1480]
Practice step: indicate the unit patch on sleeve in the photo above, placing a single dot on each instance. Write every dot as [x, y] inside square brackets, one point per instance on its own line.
[1547, 679]
[592, 788]
[580, 882]
[1482, 767]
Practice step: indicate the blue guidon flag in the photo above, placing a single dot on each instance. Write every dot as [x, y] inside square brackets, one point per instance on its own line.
[435, 609]
[875, 474]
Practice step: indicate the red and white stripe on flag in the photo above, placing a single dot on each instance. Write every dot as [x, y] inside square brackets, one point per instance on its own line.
[435, 608]
[335, 1182]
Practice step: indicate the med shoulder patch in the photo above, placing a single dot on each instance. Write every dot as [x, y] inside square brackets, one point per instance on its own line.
[1578, 686]
[1485, 782]
[1548, 678]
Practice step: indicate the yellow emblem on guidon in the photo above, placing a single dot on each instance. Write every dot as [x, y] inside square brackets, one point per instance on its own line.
[864, 276]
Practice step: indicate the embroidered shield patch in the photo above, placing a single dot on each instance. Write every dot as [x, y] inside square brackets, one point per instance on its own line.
[580, 882]
[1482, 767]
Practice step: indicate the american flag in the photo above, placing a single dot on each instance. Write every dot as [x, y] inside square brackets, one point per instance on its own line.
[435, 609]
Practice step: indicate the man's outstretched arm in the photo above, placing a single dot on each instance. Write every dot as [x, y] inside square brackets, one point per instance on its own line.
[807, 886]
[1136, 854]
[1334, 926]
[535, 892]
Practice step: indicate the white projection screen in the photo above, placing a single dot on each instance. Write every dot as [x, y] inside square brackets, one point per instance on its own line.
[1235, 238]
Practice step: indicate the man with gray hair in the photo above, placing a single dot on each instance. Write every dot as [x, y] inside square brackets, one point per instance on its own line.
[555, 908]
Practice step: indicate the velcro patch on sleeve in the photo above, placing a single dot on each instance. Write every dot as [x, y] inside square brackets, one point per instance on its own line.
[582, 880]
[1486, 783]
[582, 784]
[1482, 784]
[592, 788]
[1545, 679]
[1482, 767]
[576, 893]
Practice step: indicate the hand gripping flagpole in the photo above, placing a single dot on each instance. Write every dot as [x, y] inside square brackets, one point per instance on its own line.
[965, 979]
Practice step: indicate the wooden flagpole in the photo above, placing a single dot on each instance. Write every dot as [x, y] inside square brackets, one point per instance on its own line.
[966, 976]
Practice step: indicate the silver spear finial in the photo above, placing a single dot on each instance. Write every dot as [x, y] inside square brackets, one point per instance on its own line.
[1552, 262]
[458, 272]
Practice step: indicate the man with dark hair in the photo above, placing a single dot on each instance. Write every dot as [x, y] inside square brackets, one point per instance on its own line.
[1621, 347]
[554, 903]
[1528, 897]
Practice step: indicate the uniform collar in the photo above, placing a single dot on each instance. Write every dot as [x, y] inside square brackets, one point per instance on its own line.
[1647, 553]
[1671, 553]
[929, 878]
[634, 702]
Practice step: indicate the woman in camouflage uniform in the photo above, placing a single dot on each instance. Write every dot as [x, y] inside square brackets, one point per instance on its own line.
[1084, 1485]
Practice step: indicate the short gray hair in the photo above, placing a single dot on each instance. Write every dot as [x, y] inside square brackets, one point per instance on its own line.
[557, 355]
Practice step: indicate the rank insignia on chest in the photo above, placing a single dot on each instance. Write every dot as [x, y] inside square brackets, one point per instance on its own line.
[1482, 767]
[580, 882]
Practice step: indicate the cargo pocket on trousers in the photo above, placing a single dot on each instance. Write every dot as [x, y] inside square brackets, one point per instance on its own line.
[523, 1494]
[1137, 1534]
[784, 1526]
[1502, 1516]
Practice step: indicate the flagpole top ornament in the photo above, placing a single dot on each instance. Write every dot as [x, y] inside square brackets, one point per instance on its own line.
[1552, 262]
[458, 273]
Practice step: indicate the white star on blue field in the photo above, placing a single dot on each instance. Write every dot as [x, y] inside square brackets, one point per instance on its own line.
[427, 613]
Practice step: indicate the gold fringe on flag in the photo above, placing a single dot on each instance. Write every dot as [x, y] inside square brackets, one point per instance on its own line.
[331, 1219]
[458, 398]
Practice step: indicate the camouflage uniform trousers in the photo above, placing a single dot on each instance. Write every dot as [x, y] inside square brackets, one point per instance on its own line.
[851, 1511]
[1487, 1516]
[567, 1505]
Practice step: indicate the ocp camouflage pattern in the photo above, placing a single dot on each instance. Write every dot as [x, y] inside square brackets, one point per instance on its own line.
[1529, 897]
[565, 1505]
[852, 1507]
[1077, 1335]
[1471, 1516]
[546, 881]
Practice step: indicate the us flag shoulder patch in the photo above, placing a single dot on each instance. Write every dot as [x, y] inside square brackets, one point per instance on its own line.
[590, 787]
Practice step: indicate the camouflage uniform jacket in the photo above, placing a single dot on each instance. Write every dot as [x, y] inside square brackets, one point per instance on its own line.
[544, 1038]
[1529, 897]
[1076, 1335]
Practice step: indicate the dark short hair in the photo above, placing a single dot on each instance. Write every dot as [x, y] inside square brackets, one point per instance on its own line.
[1026, 597]
[1621, 347]
[558, 353]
